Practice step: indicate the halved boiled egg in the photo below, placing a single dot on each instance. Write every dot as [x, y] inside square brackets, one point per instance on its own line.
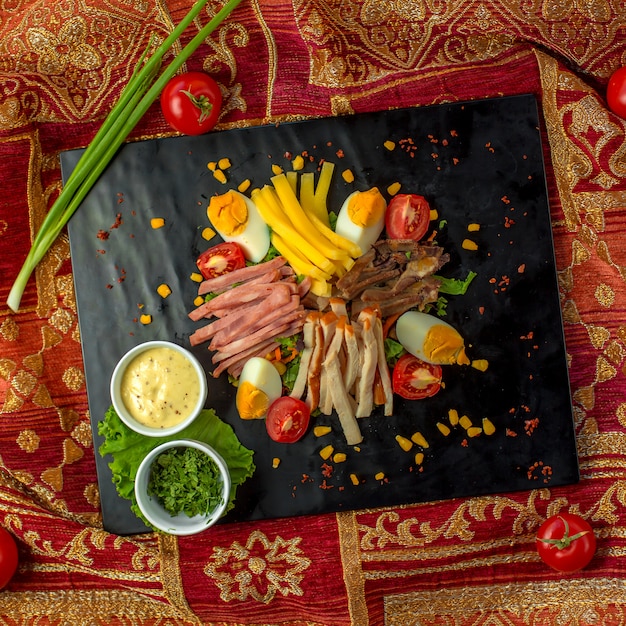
[259, 385]
[361, 218]
[236, 218]
[430, 339]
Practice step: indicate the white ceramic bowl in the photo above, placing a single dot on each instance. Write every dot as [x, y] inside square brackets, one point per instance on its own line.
[122, 410]
[153, 510]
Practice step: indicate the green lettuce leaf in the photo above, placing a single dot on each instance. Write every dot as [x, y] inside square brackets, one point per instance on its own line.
[128, 448]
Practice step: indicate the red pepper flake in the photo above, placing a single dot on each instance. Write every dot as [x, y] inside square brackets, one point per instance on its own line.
[305, 478]
[118, 221]
[538, 469]
[464, 443]
[508, 222]
[489, 147]
[521, 269]
[109, 286]
[340, 153]
[434, 155]
[444, 142]
[327, 470]
[453, 133]
[455, 161]
[103, 235]
[505, 199]
[101, 251]
[433, 139]
[120, 197]
[481, 310]
[510, 433]
[530, 335]
[531, 425]
[329, 143]
[325, 485]
[287, 155]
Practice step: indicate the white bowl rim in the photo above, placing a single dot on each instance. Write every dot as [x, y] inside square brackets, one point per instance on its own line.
[118, 404]
[155, 513]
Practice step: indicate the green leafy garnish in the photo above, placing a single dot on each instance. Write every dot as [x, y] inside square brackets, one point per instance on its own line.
[455, 286]
[128, 449]
[393, 350]
[186, 480]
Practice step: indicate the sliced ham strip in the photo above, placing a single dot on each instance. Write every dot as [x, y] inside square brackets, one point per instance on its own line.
[232, 362]
[233, 298]
[266, 313]
[278, 328]
[225, 281]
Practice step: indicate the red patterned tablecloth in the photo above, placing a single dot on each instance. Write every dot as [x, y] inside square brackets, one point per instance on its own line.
[467, 561]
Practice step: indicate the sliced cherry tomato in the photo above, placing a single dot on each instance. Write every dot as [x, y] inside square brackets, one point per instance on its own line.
[414, 379]
[407, 217]
[8, 557]
[566, 542]
[221, 259]
[287, 419]
[191, 103]
[616, 92]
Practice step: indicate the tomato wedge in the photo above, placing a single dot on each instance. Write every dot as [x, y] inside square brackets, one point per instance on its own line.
[414, 379]
[287, 419]
[221, 259]
[407, 217]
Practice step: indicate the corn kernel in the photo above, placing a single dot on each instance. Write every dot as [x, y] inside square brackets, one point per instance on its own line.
[354, 479]
[434, 215]
[212, 165]
[465, 422]
[298, 163]
[419, 439]
[208, 234]
[339, 457]
[320, 431]
[404, 443]
[275, 462]
[326, 452]
[348, 176]
[224, 163]
[145, 319]
[468, 244]
[243, 185]
[480, 364]
[198, 300]
[390, 145]
[393, 189]
[164, 290]
[445, 431]
[419, 458]
[379, 476]
[453, 417]
[277, 170]
[474, 431]
[157, 222]
[488, 426]
[196, 277]
[220, 176]
[473, 228]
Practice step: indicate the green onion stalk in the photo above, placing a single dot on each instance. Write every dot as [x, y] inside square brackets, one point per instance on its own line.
[143, 88]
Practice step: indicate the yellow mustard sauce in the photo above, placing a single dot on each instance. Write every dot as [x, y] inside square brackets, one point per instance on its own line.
[160, 387]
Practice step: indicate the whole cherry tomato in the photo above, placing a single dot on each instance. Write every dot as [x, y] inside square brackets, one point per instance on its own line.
[221, 259]
[407, 216]
[287, 419]
[191, 103]
[616, 92]
[8, 557]
[414, 379]
[566, 542]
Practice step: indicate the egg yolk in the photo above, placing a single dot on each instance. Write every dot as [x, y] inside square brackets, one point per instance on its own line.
[366, 208]
[252, 402]
[444, 345]
[228, 213]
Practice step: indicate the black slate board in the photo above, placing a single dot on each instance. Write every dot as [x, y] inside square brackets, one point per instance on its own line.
[477, 162]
